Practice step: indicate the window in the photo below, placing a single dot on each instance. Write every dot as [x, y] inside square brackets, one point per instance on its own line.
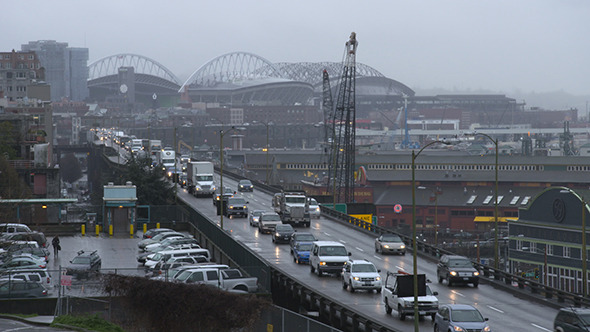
[518, 244]
[549, 249]
[567, 252]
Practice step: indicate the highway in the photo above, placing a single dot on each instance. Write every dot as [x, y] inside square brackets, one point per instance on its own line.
[505, 311]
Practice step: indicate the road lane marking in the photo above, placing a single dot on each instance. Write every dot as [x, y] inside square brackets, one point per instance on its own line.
[359, 249]
[327, 234]
[496, 309]
[377, 257]
[540, 327]
[455, 292]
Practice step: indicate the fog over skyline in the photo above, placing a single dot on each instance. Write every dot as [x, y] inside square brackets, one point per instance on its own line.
[509, 47]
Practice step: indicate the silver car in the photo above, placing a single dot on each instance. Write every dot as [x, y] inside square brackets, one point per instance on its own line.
[389, 243]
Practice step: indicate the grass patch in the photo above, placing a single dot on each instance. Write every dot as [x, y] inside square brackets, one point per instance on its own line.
[89, 322]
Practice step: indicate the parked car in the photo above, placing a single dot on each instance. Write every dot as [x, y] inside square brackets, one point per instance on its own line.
[171, 241]
[41, 276]
[158, 238]
[245, 185]
[459, 317]
[314, 208]
[22, 262]
[28, 236]
[456, 269]
[84, 264]
[14, 228]
[150, 233]
[301, 252]
[254, 217]
[361, 274]
[301, 237]
[572, 319]
[282, 233]
[389, 243]
[235, 206]
[18, 288]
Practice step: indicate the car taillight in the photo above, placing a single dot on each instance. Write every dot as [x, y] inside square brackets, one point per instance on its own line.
[48, 280]
[42, 266]
[44, 292]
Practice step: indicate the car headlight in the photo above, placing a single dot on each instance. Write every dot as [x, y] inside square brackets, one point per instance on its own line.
[475, 274]
[356, 278]
[322, 263]
[231, 207]
[277, 234]
[378, 278]
[458, 329]
[386, 246]
[453, 273]
[245, 207]
[403, 246]
[486, 329]
[241, 186]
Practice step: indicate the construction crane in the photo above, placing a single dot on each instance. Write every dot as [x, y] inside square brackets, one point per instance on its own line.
[327, 105]
[344, 127]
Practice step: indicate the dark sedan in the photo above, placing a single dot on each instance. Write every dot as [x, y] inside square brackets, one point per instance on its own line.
[282, 233]
[245, 185]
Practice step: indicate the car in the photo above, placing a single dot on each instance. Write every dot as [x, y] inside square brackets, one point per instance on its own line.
[14, 228]
[301, 237]
[572, 319]
[361, 274]
[301, 252]
[143, 257]
[314, 208]
[227, 192]
[171, 241]
[40, 275]
[456, 269]
[158, 238]
[150, 233]
[25, 236]
[179, 261]
[236, 206]
[459, 317]
[84, 264]
[18, 288]
[22, 262]
[389, 243]
[245, 185]
[254, 216]
[282, 233]
[268, 221]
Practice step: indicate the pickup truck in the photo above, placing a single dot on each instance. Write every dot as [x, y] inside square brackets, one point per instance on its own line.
[398, 294]
[226, 279]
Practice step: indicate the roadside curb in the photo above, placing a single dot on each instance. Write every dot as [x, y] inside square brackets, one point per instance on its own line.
[36, 321]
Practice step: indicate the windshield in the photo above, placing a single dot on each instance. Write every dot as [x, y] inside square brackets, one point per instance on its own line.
[585, 318]
[460, 263]
[313, 202]
[237, 201]
[363, 268]
[204, 177]
[305, 237]
[257, 213]
[271, 217]
[183, 275]
[245, 182]
[466, 316]
[295, 199]
[333, 251]
[304, 247]
[391, 238]
[284, 228]
[81, 260]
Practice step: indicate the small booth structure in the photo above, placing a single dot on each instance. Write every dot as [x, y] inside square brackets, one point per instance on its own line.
[119, 208]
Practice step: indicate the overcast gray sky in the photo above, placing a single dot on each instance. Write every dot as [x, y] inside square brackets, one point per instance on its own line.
[496, 45]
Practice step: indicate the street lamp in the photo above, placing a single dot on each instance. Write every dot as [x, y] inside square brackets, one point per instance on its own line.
[545, 270]
[434, 191]
[266, 124]
[221, 134]
[496, 259]
[584, 258]
[414, 245]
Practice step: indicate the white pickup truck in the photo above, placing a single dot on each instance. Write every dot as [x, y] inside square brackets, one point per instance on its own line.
[398, 294]
[226, 279]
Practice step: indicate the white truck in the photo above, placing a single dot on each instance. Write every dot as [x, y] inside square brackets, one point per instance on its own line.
[293, 207]
[201, 181]
[398, 294]
[226, 279]
[167, 160]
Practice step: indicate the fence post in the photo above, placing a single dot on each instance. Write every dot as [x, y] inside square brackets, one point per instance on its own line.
[83, 230]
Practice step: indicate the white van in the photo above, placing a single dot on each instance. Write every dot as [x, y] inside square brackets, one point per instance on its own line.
[327, 257]
[165, 255]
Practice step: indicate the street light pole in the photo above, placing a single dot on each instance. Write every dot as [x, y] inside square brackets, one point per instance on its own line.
[221, 134]
[414, 244]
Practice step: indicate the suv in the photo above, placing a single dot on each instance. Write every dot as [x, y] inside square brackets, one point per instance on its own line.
[572, 320]
[18, 288]
[40, 276]
[84, 264]
[227, 192]
[457, 269]
[268, 221]
[361, 274]
[235, 206]
[14, 228]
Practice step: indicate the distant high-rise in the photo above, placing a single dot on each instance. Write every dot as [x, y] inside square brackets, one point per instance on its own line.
[66, 68]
